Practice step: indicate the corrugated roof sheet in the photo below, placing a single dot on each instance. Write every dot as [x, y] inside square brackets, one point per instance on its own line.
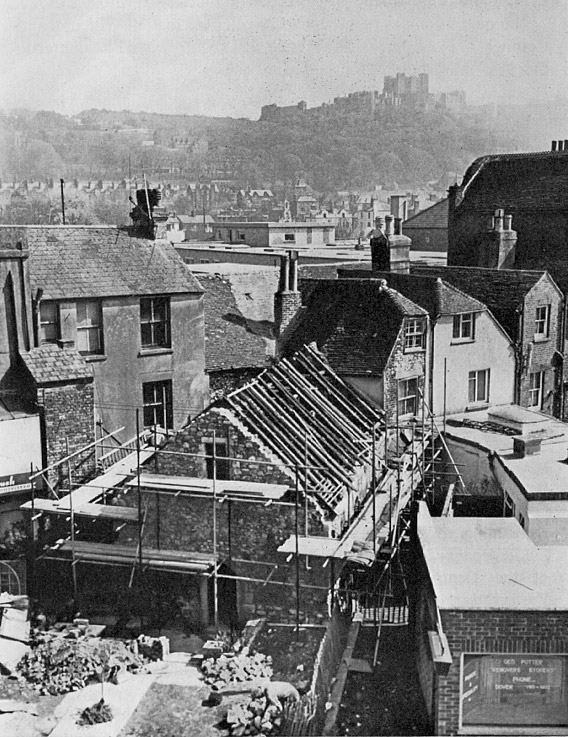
[74, 262]
[230, 339]
[354, 323]
[50, 364]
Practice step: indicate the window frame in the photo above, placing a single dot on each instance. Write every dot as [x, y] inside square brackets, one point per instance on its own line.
[165, 402]
[96, 328]
[407, 398]
[461, 320]
[542, 324]
[56, 322]
[412, 336]
[474, 376]
[155, 323]
[536, 390]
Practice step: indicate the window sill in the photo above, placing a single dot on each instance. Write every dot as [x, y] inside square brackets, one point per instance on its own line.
[155, 351]
[474, 407]
[541, 338]
[461, 341]
[94, 357]
[414, 350]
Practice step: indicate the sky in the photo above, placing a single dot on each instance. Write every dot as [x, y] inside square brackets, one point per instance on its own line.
[230, 57]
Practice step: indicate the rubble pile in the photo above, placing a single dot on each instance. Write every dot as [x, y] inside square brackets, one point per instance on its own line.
[234, 669]
[57, 665]
[96, 714]
[254, 718]
[153, 648]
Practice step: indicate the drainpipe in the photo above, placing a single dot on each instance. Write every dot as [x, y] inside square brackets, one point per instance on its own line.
[431, 377]
[519, 361]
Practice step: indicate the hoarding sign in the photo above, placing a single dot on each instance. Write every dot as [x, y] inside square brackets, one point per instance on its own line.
[15, 482]
[512, 689]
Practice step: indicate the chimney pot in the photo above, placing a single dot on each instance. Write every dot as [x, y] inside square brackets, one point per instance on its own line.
[398, 226]
[498, 221]
[553, 147]
[566, 144]
[388, 225]
[560, 144]
[508, 222]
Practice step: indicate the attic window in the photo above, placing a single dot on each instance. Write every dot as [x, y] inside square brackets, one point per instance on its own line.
[48, 322]
[415, 335]
[464, 327]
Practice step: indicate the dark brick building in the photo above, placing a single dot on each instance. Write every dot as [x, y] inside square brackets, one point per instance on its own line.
[491, 627]
[530, 187]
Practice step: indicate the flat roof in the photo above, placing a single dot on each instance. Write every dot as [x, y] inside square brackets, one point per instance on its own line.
[537, 476]
[487, 563]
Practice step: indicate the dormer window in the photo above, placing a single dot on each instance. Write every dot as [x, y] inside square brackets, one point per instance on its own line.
[48, 322]
[464, 327]
[415, 335]
[542, 323]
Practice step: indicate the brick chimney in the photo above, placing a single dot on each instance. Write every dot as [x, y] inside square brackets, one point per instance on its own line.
[399, 248]
[497, 248]
[287, 300]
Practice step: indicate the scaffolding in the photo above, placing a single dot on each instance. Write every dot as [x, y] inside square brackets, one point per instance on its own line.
[332, 430]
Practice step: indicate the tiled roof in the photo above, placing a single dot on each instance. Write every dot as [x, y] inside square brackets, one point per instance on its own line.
[515, 182]
[432, 217]
[50, 364]
[230, 339]
[354, 323]
[73, 262]
[502, 290]
[434, 294]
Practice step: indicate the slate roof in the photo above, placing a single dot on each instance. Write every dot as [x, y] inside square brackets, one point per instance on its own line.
[354, 323]
[432, 217]
[74, 262]
[50, 364]
[515, 182]
[502, 290]
[436, 295]
[230, 339]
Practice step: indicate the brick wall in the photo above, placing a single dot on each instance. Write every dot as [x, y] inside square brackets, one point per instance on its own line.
[222, 383]
[401, 365]
[493, 632]
[542, 353]
[286, 305]
[68, 412]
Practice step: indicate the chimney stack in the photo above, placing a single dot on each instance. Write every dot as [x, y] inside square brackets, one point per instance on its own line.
[287, 300]
[497, 248]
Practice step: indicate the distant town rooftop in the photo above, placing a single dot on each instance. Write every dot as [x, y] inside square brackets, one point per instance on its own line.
[543, 476]
[489, 563]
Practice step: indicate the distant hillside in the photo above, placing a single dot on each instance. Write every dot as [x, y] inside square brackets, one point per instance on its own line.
[333, 153]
